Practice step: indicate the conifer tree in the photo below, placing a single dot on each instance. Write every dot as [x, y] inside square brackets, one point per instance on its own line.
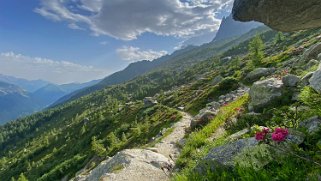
[256, 48]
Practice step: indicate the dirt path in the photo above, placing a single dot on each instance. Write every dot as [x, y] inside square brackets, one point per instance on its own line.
[168, 146]
[153, 164]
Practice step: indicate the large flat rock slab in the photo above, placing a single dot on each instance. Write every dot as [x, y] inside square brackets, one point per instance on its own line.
[282, 15]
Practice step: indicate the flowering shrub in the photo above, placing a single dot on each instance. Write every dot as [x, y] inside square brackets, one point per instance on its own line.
[278, 135]
[260, 136]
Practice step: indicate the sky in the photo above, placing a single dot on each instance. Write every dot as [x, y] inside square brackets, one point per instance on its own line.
[64, 41]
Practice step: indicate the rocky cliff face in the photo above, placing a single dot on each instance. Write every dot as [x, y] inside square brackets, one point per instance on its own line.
[283, 15]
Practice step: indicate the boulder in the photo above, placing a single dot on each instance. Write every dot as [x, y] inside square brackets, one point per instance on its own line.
[149, 101]
[265, 93]
[280, 15]
[202, 119]
[312, 125]
[305, 80]
[131, 164]
[259, 73]
[239, 134]
[224, 155]
[290, 80]
[315, 81]
[230, 154]
[312, 52]
[295, 137]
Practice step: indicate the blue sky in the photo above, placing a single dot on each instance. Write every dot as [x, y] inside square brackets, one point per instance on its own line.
[66, 41]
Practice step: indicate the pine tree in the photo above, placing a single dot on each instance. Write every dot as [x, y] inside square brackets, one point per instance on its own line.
[97, 147]
[123, 137]
[256, 47]
[112, 139]
[279, 37]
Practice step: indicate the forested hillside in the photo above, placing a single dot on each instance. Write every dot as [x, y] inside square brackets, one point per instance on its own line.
[57, 143]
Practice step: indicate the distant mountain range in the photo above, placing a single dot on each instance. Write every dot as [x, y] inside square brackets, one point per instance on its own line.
[14, 102]
[20, 97]
[28, 85]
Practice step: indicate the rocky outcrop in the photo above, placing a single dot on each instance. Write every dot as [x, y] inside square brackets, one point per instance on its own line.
[281, 15]
[258, 73]
[312, 125]
[315, 80]
[230, 28]
[210, 111]
[224, 155]
[202, 119]
[133, 164]
[264, 93]
[312, 52]
[290, 80]
[230, 154]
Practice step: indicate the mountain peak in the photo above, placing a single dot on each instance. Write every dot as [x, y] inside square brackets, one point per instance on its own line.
[230, 28]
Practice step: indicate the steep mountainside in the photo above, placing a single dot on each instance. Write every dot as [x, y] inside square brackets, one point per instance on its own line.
[230, 28]
[130, 72]
[178, 60]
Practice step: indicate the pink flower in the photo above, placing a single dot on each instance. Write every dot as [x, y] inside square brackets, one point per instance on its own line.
[278, 137]
[260, 136]
[279, 134]
[281, 130]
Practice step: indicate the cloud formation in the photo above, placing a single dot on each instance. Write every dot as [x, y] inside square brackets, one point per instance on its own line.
[127, 19]
[132, 54]
[59, 72]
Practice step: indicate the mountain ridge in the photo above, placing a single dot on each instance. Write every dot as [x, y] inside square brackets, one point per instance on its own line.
[187, 54]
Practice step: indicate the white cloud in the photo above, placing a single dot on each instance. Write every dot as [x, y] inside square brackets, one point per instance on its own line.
[127, 19]
[132, 54]
[75, 26]
[103, 43]
[33, 68]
